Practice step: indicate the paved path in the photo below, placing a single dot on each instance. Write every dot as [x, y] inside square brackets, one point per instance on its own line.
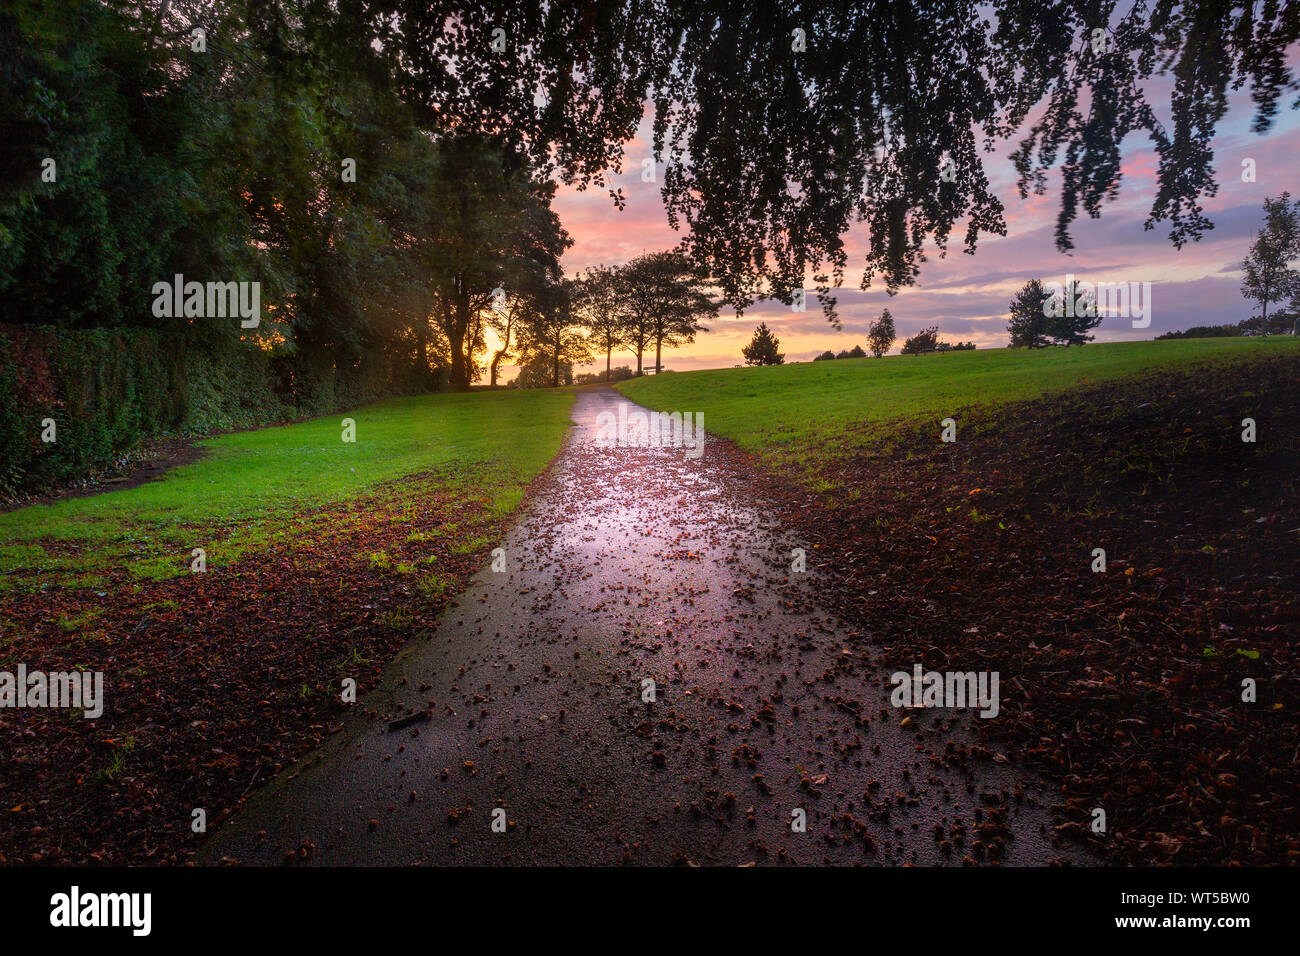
[631, 564]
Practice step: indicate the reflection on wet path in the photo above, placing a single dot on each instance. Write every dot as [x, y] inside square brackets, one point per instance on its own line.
[633, 565]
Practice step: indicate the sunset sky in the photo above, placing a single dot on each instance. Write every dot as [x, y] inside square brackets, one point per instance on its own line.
[967, 296]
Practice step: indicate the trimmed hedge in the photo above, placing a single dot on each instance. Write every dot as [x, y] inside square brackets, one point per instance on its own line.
[104, 390]
[107, 389]
[230, 390]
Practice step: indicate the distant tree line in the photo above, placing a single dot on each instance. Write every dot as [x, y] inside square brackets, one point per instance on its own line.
[656, 301]
[927, 340]
[881, 336]
[828, 355]
[1210, 331]
[1039, 318]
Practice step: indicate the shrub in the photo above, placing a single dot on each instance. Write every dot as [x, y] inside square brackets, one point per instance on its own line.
[927, 340]
[105, 389]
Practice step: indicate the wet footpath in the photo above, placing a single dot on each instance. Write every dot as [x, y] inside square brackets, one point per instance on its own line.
[643, 678]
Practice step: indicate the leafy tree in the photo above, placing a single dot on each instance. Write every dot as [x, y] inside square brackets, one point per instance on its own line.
[492, 229]
[228, 164]
[555, 334]
[881, 335]
[1268, 275]
[827, 356]
[665, 297]
[857, 352]
[600, 304]
[136, 156]
[763, 348]
[637, 326]
[1071, 316]
[927, 340]
[1029, 324]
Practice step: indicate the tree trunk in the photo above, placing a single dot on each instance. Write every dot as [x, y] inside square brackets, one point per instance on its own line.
[659, 344]
[474, 334]
[608, 352]
[422, 352]
[502, 352]
[555, 365]
[459, 326]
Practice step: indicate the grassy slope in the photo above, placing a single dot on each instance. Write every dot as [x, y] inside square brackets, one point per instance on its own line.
[802, 415]
[218, 680]
[256, 487]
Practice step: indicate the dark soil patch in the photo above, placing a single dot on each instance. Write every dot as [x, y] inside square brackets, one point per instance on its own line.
[214, 681]
[1123, 688]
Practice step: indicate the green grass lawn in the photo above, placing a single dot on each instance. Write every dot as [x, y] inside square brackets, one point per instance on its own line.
[799, 415]
[254, 488]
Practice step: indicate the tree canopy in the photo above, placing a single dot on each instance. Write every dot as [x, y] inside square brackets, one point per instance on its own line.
[382, 167]
[782, 125]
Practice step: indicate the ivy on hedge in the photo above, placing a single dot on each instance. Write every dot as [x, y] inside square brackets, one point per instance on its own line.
[108, 389]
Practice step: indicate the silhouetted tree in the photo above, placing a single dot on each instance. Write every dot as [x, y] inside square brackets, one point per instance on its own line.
[763, 348]
[1268, 276]
[1028, 324]
[926, 340]
[881, 335]
[554, 334]
[490, 230]
[600, 305]
[1072, 315]
[665, 298]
